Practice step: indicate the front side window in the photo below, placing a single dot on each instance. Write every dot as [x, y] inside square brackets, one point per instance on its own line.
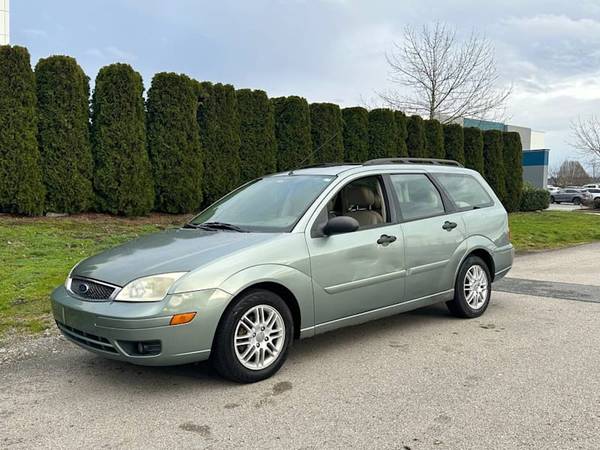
[464, 190]
[417, 195]
[271, 204]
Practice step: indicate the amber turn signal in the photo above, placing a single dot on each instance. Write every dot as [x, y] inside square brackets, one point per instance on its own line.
[180, 319]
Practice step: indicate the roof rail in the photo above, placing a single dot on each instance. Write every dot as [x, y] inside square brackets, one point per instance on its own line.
[325, 164]
[433, 161]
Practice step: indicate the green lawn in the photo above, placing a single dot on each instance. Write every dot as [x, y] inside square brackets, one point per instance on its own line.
[553, 229]
[37, 253]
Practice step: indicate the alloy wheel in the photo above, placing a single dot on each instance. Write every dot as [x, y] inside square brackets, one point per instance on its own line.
[259, 337]
[476, 286]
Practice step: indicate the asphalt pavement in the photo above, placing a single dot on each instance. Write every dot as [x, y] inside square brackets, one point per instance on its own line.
[524, 375]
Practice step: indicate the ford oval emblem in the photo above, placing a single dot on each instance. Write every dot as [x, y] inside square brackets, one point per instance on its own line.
[83, 288]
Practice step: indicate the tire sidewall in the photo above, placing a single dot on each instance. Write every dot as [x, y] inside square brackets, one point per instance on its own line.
[226, 360]
[459, 294]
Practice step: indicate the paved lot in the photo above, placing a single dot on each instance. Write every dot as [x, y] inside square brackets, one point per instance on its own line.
[525, 375]
[564, 207]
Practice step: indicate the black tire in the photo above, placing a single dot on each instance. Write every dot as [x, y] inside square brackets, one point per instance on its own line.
[577, 201]
[459, 305]
[223, 355]
[597, 203]
[551, 199]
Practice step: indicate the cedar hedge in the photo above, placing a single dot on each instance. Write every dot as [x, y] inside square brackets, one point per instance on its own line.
[21, 186]
[258, 148]
[326, 132]
[533, 199]
[220, 135]
[454, 142]
[415, 138]
[383, 134]
[356, 134]
[292, 132]
[122, 173]
[473, 148]
[174, 143]
[63, 93]
[513, 154]
[493, 162]
[401, 133]
[434, 136]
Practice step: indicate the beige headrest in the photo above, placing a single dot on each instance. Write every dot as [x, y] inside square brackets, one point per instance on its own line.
[360, 196]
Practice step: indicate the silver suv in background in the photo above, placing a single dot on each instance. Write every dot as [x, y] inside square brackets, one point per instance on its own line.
[591, 198]
[567, 195]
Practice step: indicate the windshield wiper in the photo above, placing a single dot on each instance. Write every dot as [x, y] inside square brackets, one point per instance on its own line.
[215, 226]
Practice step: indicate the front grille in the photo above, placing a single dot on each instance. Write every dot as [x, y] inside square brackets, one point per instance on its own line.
[86, 339]
[91, 290]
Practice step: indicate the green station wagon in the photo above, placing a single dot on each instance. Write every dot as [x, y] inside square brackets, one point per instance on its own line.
[288, 256]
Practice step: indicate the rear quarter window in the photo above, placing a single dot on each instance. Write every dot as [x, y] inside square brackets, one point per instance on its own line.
[464, 190]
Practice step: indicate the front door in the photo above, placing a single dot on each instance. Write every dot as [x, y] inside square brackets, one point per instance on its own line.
[362, 270]
[432, 238]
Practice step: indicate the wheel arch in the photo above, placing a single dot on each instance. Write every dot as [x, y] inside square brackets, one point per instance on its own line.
[485, 255]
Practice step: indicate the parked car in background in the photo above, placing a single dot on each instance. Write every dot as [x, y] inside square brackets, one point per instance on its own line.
[592, 186]
[552, 189]
[289, 256]
[591, 197]
[567, 195]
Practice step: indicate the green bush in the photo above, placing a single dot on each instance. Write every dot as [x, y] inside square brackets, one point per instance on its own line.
[383, 134]
[122, 172]
[220, 135]
[326, 131]
[292, 132]
[533, 199]
[174, 143]
[258, 149]
[454, 142]
[401, 134]
[493, 162]
[415, 138]
[21, 186]
[513, 168]
[473, 149]
[356, 134]
[434, 138]
[63, 93]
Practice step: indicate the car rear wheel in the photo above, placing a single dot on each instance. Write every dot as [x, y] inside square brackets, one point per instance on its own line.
[597, 203]
[253, 338]
[551, 199]
[577, 201]
[472, 290]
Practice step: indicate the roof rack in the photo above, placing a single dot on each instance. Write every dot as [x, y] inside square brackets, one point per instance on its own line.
[433, 161]
[325, 164]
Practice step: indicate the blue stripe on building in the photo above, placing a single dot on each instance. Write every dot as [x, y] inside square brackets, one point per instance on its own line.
[535, 157]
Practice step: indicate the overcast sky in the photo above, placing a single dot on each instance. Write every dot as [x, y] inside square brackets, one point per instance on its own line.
[329, 50]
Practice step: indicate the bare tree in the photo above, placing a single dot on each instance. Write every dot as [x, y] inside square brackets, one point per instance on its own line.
[585, 133]
[444, 78]
[569, 173]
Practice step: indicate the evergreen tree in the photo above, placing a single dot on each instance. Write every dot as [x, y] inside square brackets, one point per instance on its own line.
[122, 172]
[512, 152]
[220, 135]
[356, 134]
[415, 138]
[174, 143]
[402, 134]
[21, 186]
[326, 132]
[292, 132]
[383, 134]
[494, 162]
[473, 148]
[434, 137]
[454, 142]
[258, 150]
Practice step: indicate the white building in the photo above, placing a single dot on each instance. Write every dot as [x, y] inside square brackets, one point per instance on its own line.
[4, 25]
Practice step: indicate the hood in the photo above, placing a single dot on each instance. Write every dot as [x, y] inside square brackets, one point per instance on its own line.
[178, 250]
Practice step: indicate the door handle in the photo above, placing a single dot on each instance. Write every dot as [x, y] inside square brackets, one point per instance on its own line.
[448, 226]
[384, 239]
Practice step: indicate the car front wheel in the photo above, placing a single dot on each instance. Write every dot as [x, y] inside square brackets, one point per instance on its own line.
[551, 199]
[472, 290]
[597, 203]
[577, 201]
[253, 337]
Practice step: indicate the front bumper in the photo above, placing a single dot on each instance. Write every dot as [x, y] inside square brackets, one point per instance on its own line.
[113, 329]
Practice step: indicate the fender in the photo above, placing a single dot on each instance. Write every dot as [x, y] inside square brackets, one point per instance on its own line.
[476, 242]
[297, 282]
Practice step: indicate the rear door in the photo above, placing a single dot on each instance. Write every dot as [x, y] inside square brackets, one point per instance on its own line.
[433, 234]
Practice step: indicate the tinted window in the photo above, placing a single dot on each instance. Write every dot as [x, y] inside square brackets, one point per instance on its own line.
[268, 204]
[417, 195]
[464, 190]
[594, 191]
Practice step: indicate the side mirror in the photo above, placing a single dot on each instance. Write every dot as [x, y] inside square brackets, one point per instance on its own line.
[339, 225]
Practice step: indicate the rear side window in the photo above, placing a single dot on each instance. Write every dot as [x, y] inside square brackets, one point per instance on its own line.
[464, 190]
[417, 196]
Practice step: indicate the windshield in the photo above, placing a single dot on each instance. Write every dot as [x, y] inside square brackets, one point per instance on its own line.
[272, 204]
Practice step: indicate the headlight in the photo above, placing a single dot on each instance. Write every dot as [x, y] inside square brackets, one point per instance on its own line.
[68, 280]
[148, 289]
